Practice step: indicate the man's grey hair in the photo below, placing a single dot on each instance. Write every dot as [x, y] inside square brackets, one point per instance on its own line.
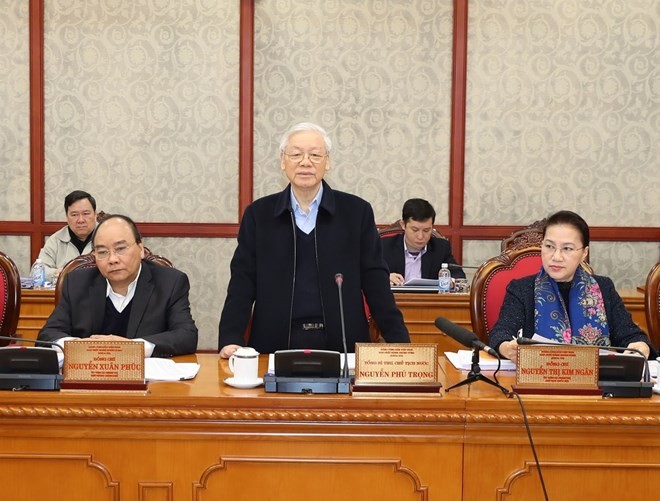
[305, 126]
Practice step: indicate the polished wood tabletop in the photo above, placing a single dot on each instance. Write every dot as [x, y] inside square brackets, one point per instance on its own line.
[202, 439]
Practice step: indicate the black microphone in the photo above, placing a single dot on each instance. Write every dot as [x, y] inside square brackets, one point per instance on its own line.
[463, 336]
[339, 280]
[527, 341]
[21, 340]
[461, 266]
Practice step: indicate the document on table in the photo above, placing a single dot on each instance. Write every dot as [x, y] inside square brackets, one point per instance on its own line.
[165, 369]
[427, 282]
[417, 285]
[462, 360]
[160, 369]
[654, 369]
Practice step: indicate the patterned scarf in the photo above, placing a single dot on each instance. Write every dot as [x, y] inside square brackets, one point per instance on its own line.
[584, 323]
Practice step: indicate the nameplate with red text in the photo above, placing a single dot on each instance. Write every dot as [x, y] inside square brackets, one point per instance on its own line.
[560, 369]
[92, 364]
[396, 367]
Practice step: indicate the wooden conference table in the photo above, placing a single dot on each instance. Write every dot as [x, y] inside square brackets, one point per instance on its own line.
[419, 312]
[203, 440]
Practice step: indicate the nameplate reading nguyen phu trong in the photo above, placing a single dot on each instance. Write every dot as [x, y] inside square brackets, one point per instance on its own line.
[559, 369]
[103, 365]
[396, 367]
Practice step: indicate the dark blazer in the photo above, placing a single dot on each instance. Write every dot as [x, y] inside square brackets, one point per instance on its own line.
[262, 274]
[160, 310]
[438, 251]
[518, 313]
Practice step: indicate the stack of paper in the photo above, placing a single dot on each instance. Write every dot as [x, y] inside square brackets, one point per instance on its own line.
[429, 282]
[165, 369]
[462, 360]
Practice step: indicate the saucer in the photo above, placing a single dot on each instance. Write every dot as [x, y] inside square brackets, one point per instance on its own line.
[244, 384]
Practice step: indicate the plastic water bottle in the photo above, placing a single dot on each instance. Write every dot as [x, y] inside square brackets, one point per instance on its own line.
[444, 279]
[38, 274]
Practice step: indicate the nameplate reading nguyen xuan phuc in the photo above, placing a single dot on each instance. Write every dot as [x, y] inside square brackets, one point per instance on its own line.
[94, 364]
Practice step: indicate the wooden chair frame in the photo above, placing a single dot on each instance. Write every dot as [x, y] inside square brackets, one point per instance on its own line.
[524, 238]
[396, 229]
[652, 304]
[12, 298]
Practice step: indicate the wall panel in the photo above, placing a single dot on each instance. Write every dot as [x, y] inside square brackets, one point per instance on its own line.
[377, 76]
[141, 108]
[18, 250]
[562, 108]
[14, 111]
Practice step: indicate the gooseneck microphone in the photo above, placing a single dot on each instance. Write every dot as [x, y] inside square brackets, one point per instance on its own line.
[529, 341]
[21, 340]
[461, 266]
[463, 336]
[339, 280]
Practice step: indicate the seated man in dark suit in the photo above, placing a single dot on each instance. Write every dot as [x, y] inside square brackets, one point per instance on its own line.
[416, 253]
[124, 297]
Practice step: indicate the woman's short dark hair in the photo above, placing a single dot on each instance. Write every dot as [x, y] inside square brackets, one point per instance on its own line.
[569, 218]
[131, 223]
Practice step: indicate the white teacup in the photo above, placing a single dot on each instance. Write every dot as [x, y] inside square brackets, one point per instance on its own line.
[244, 364]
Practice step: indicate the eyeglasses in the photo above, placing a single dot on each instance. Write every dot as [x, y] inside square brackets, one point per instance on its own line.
[566, 250]
[315, 158]
[105, 253]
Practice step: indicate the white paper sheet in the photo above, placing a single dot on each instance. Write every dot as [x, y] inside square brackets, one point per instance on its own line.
[462, 360]
[165, 369]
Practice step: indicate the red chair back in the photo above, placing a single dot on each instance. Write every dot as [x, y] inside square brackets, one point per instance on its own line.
[652, 304]
[10, 297]
[490, 282]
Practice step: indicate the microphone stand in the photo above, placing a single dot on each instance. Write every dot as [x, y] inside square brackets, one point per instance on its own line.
[476, 375]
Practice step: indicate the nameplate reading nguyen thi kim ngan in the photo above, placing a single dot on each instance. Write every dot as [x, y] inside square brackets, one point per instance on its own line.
[559, 369]
[103, 365]
[396, 367]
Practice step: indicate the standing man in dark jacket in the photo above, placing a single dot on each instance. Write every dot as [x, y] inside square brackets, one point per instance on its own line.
[291, 246]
